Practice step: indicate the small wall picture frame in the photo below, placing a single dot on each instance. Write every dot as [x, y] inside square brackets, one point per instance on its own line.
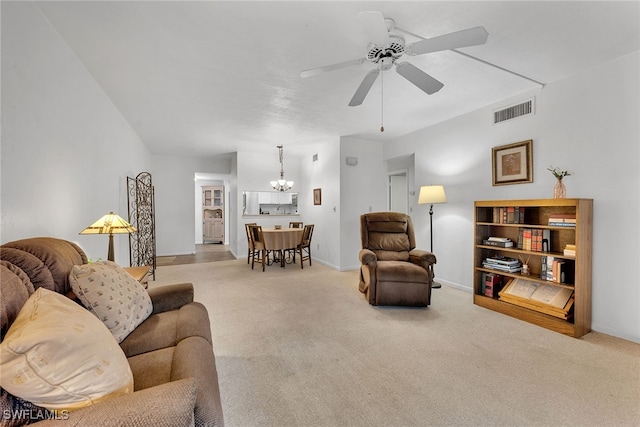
[317, 196]
[512, 163]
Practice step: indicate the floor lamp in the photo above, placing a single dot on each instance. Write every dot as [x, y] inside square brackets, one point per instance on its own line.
[110, 224]
[432, 195]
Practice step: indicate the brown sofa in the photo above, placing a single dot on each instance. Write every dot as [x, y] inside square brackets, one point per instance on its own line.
[170, 353]
[393, 271]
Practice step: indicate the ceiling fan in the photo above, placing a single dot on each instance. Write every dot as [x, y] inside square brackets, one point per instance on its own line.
[387, 47]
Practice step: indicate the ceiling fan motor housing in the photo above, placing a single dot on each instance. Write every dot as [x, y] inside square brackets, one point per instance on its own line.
[394, 50]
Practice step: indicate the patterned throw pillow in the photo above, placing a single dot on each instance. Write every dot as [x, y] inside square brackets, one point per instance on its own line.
[113, 295]
[58, 356]
[16, 412]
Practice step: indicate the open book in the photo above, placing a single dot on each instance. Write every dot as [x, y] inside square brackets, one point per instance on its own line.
[549, 299]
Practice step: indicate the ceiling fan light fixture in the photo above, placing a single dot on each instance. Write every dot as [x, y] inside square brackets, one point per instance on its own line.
[386, 63]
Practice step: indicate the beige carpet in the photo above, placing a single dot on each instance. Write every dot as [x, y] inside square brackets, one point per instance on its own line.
[303, 348]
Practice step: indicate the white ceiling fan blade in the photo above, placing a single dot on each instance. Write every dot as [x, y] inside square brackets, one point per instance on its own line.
[375, 27]
[327, 68]
[469, 37]
[418, 77]
[364, 88]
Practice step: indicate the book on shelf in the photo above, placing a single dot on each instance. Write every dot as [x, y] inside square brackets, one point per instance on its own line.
[562, 224]
[554, 269]
[552, 300]
[536, 240]
[501, 244]
[491, 285]
[563, 216]
[555, 296]
[508, 215]
[562, 220]
[569, 250]
[526, 239]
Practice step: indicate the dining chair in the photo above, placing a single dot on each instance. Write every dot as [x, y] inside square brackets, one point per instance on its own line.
[292, 251]
[304, 248]
[259, 249]
[249, 241]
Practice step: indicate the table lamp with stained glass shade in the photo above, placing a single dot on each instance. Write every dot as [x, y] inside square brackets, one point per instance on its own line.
[110, 224]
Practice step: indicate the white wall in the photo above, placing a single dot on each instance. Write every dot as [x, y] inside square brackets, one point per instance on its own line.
[588, 124]
[66, 149]
[363, 188]
[324, 173]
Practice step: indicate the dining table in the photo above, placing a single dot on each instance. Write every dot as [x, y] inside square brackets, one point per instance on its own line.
[280, 240]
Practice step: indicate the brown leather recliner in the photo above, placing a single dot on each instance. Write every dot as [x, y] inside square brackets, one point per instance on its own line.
[393, 272]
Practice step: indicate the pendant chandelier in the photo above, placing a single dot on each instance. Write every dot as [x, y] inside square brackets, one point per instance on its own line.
[281, 184]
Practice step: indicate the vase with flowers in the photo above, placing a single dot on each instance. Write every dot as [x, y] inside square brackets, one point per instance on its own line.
[559, 190]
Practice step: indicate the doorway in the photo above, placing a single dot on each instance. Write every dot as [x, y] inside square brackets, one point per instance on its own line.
[398, 192]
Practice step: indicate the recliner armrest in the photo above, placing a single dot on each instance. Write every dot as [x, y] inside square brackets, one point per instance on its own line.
[367, 257]
[171, 297]
[169, 404]
[422, 258]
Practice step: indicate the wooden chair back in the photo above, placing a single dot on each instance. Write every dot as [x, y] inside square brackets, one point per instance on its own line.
[307, 234]
[304, 248]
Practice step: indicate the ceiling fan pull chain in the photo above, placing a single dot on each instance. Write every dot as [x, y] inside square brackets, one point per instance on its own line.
[382, 101]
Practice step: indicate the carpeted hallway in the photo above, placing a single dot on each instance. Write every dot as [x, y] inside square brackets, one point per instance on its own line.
[303, 348]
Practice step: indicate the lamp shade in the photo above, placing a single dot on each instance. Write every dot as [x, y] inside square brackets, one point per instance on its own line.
[432, 194]
[111, 223]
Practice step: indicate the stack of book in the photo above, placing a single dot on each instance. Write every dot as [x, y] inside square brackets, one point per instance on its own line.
[502, 263]
[570, 250]
[503, 242]
[562, 220]
[536, 240]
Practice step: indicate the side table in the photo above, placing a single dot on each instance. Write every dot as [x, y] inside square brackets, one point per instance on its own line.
[141, 274]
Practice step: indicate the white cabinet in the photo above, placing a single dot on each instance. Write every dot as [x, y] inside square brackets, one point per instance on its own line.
[273, 198]
[213, 214]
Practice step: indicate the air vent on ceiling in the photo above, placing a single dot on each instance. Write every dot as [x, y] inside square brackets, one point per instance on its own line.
[315, 157]
[514, 111]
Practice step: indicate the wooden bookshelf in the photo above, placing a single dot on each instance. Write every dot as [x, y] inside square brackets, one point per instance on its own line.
[536, 216]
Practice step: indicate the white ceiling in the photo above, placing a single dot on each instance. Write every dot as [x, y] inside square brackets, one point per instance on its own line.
[213, 77]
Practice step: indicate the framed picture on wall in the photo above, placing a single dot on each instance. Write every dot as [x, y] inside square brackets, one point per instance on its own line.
[512, 163]
[317, 196]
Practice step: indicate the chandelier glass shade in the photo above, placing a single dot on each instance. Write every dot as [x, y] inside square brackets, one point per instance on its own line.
[281, 184]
